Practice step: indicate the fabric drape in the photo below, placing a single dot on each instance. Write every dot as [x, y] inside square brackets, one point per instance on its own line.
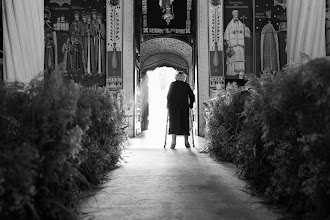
[306, 29]
[23, 26]
[327, 24]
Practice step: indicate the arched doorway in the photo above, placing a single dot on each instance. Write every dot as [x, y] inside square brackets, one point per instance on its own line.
[156, 85]
[160, 52]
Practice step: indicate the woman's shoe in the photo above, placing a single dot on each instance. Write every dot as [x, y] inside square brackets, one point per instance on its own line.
[187, 145]
[172, 146]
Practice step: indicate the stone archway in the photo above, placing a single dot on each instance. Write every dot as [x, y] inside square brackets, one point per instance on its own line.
[158, 52]
[180, 53]
[165, 59]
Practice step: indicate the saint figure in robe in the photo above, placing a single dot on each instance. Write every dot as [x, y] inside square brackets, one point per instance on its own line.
[269, 47]
[88, 33]
[66, 50]
[77, 62]
[49, 59]
[76, 26]
[235, 34]
[100, 45]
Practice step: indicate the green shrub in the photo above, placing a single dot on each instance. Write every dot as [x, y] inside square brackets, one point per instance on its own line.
[303, 155]
[107, 131]
[40, 144]
[47, 129]
[252, 154]
[282, 145]
[221, 121]
[224, 122]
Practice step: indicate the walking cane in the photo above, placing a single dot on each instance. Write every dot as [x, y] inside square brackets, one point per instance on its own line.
[166, 130]
[192, 127]
[99, 50]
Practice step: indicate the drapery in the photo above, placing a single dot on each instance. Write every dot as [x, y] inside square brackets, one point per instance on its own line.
[327, 24]
[306, 29]
[23, 24]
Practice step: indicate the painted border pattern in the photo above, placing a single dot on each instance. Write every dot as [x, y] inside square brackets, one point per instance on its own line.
[114, 35]
[146, 30]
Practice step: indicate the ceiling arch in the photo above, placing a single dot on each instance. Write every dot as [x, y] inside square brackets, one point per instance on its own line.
[166, 46]
[165, 59]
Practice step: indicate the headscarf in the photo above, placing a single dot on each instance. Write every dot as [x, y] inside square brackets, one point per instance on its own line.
[181, 76]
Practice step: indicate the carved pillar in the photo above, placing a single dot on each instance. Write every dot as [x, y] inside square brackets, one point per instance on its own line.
[114, 36]
[128, 61]
[217, 78]
[203, 67]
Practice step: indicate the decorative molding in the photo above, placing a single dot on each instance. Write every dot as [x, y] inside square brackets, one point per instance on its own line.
[216, 25]
[166, 45]
[165, 59]
[216, 85]
[114, 25]
[114, 83]
[188, 21]
[216, 2]
[216, 38]
[217, 82]
[148, 30]
[114, 76]
[114, 2]
[61, 2]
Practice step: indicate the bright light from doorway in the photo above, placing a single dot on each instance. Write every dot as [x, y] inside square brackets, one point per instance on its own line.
[159, 82]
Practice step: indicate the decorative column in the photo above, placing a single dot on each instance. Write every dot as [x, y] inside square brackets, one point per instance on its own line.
[114, 77]
[128, 61]
[203, 67]
[306, 29]
[217, 78]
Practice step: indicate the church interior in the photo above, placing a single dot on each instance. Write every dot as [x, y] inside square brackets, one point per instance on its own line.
[108, 42]
[110, 64]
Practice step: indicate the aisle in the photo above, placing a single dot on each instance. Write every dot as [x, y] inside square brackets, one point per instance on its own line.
[158, 183]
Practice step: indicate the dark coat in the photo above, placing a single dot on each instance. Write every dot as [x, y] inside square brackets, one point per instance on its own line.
[179, 98]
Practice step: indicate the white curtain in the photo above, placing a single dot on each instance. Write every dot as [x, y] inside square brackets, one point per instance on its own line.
[327, 29]
[306, 29]
[23, 24]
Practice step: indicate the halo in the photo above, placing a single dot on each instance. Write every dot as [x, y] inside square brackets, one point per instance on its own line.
[48, 13]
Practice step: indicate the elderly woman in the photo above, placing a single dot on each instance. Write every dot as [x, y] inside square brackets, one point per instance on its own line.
[180, 98]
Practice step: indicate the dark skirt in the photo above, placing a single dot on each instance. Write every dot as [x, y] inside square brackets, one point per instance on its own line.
[179, 121]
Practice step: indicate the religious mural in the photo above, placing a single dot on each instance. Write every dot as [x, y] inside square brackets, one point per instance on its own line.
[166, 16]
[75, 38]
[238, 43]
[271, 34]
[245, 50]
